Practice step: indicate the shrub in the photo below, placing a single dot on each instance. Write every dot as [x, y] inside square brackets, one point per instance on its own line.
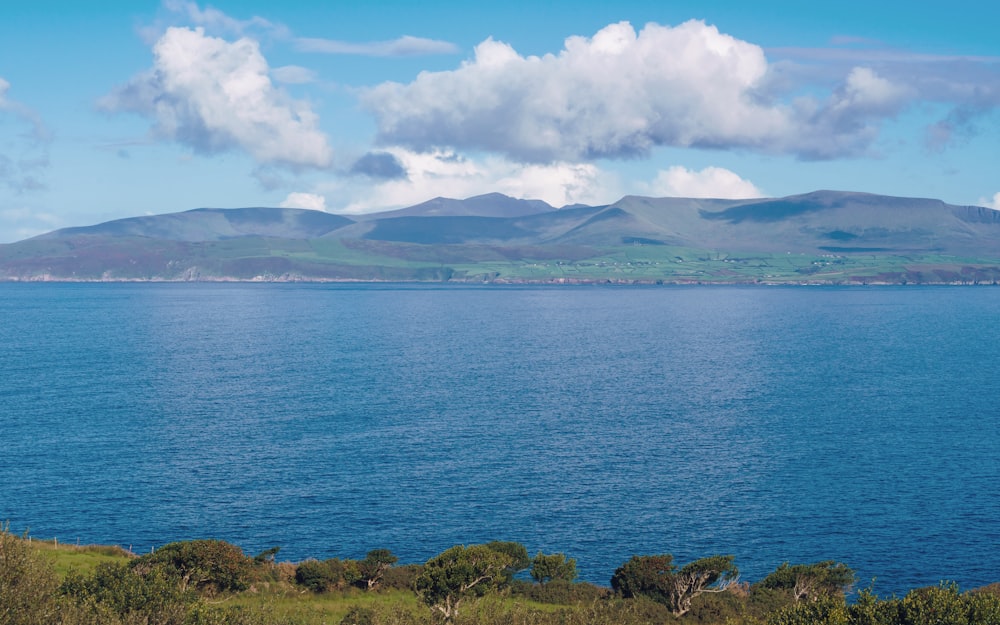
[116, 592]
[401, 577]
[27, 583]
[204, 565]
[556, 566]
[316, 576]
[656, 577]
[811, 581]
[559, 592]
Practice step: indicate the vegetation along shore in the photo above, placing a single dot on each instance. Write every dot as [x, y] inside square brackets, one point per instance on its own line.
[212, 582]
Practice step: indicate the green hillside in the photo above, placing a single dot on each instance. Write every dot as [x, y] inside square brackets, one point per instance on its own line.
[824, 237]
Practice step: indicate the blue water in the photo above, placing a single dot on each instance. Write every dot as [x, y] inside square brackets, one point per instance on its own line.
[776, 424]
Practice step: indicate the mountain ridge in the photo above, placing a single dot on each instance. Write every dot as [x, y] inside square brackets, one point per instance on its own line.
[470, 236]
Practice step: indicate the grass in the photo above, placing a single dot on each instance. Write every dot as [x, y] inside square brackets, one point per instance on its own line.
[83, 559]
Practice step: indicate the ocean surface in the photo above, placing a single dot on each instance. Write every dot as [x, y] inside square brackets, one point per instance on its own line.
[777, 424]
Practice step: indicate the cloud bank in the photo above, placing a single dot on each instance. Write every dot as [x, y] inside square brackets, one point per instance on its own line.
[620, 93]
[710, 182]
[213, 95]
[448, 174]
[310, 201]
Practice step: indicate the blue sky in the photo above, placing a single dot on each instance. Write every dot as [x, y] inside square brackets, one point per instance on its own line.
[117, 109]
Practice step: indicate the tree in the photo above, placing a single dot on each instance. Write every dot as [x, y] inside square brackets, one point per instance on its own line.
[374, 566]
[458, 573]
[811, 581]
[212, 565]
[545, 568]
[518, 553]
[656, 577]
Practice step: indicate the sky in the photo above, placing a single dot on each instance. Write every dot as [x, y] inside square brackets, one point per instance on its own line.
[113, 109]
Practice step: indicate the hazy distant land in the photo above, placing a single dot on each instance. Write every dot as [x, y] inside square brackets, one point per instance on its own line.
[824, 237]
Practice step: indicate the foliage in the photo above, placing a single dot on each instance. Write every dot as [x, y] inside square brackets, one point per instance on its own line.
[373, 567]
[460, 572]
[401, 577]
[656, 577]
[205, 565]
[323, 576]
[558, 592]
[125, 592]
[268, 555]
[824, 611]
[27, 583]
[549, 567]
[811, 581]
[115, 592]
[517, 553]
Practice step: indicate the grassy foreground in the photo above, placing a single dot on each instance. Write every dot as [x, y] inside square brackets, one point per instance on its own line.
[215, 584]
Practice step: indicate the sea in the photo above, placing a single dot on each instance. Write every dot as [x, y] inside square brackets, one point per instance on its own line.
[777, 424]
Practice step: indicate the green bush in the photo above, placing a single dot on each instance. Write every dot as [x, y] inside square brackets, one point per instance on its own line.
[811, 581]
[27, 583]
[401, 577]
[550, 567]
[558, 592]
[204, 565]
[315, 575]
[114, 592]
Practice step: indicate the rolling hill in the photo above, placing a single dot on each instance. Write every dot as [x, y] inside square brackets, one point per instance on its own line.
[823, 236]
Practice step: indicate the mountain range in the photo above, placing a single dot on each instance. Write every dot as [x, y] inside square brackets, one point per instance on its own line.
[823, 236]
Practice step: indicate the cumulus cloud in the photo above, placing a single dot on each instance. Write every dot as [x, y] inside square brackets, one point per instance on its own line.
[310, 201]
[403, 46]
[710, 182]
[994, 203]
[967, 87]
[214, 95]
[621, 93]
[447, 174]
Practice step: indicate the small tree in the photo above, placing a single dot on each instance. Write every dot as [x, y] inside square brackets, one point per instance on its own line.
[811, 581]
[556, 566]
[518, 554]
[374, 566]
[458, 573]
[211, 565]
[656, 577]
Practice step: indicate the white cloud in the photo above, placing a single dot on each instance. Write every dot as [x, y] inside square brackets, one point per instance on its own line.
[214, 95]
[620, 93]
[403, 46]
[994, 203]
[710, 182]
[444, 173]
[309, 201]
